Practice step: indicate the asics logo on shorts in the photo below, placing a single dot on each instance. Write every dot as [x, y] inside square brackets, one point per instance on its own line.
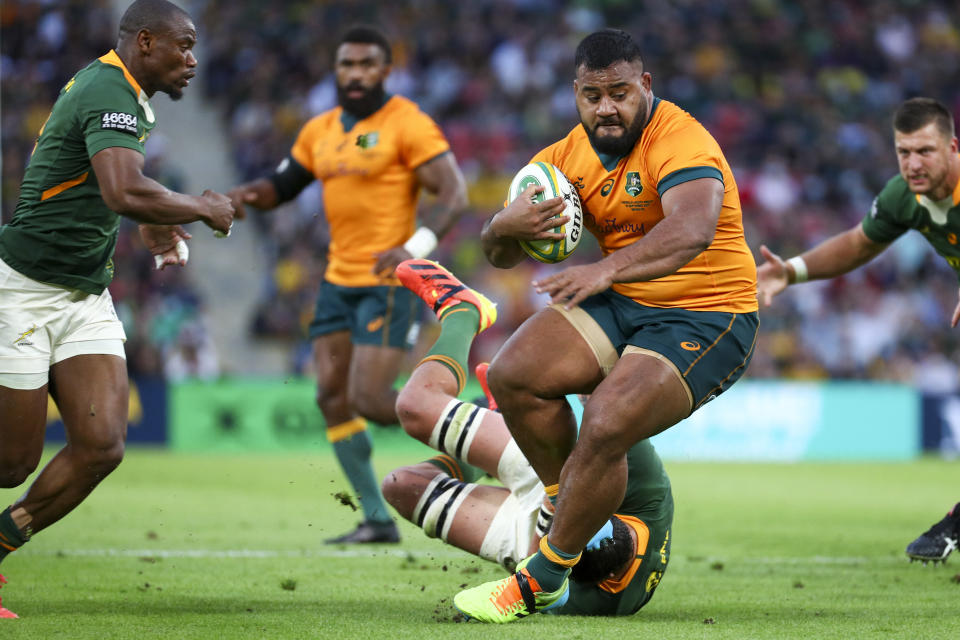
[689, 345]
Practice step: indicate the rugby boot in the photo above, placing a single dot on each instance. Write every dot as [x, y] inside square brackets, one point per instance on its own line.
[5, 613]
[939, 540]
[442, 290]
[516, 596]
[369, 532]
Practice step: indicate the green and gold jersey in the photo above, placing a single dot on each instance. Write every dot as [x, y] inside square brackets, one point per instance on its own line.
[647, 508]
[62, 232]
[897, 209]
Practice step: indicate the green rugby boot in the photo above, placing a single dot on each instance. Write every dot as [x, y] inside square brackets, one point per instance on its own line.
[509, 599]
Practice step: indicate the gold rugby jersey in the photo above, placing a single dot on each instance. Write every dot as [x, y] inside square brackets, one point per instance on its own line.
[622, 201]
[369, 185]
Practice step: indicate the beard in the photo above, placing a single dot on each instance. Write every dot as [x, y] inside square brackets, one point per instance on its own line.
[617, 145]
[362, 107]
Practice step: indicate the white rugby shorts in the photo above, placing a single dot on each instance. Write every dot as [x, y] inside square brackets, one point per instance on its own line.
[42, 324]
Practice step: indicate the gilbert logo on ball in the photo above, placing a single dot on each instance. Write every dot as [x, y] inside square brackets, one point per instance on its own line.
[555, 184]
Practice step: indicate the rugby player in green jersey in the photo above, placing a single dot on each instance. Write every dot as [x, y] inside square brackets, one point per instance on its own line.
[925, 196]
[624, 562]
[59, 333]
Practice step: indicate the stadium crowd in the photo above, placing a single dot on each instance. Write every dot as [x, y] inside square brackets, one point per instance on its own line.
[798, 94]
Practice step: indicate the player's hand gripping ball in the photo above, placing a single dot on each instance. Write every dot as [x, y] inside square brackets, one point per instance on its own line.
[555, 184]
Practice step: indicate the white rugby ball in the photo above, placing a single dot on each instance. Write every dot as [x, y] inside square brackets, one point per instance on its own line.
[555, 184]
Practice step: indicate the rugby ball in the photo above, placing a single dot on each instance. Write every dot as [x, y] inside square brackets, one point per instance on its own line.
[555, 184]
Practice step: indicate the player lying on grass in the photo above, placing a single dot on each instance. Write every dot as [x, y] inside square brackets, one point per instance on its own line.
[626, 559]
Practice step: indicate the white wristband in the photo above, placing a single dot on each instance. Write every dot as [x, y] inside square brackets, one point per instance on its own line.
[799, 269]
[421, 243]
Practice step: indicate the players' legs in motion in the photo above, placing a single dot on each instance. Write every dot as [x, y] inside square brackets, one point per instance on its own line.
[334, 361]
[937, 542]
[640, 397]
[427, 405]
[92, 395]
[489, 521]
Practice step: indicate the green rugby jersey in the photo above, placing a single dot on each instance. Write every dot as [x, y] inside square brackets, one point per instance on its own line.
[897, 209]
[62, 232]
[648, 498]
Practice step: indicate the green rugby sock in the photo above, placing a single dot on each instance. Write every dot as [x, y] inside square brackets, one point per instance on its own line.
[550, 574]
[353, 453]
[452, 348]
[11, 538]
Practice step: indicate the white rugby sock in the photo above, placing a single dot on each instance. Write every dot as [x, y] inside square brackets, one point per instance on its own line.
[438, 505]
[455, 429]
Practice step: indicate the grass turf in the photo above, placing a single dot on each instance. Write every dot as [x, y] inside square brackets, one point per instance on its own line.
[229, 546]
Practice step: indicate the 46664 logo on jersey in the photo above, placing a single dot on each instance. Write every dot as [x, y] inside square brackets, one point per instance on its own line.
[119, 122]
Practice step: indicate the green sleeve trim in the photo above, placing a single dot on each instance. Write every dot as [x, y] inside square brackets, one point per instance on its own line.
[101, 142]
[686, 175]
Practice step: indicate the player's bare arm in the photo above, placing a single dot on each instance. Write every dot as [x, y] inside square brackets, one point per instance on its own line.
[690, 212]
[522, 219]
[835, 256]
[130, 193]
[442, 178]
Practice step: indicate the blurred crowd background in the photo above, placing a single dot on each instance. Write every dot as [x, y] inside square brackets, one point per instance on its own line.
[799, 95]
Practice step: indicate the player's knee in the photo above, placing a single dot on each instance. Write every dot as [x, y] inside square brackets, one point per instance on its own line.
[599, 438]
[103, 456]
[396, 489]
[391, 486]
[409, 408]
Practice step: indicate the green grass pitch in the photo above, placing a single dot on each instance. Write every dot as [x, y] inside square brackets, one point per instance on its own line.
[229, 546]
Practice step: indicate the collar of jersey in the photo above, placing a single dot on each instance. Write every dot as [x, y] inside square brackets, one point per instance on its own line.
[113, 59]
[348, 120]
[610, 161]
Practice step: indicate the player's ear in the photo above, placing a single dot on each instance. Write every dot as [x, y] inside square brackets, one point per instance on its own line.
[145, 40]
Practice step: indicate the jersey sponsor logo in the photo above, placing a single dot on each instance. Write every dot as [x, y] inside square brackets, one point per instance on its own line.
[607, 187]
[23, 340]
[119, 121]
[690, 345]
[368, 140]
[612, 225]
[633, 186]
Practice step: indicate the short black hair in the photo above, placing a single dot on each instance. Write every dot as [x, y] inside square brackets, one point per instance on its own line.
[597, 565]
[153, 15]
[367, 34]
[917, 113]
[603, 48]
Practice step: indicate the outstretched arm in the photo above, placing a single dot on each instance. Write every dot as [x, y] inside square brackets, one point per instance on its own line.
[129, 193]
[834, 256]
